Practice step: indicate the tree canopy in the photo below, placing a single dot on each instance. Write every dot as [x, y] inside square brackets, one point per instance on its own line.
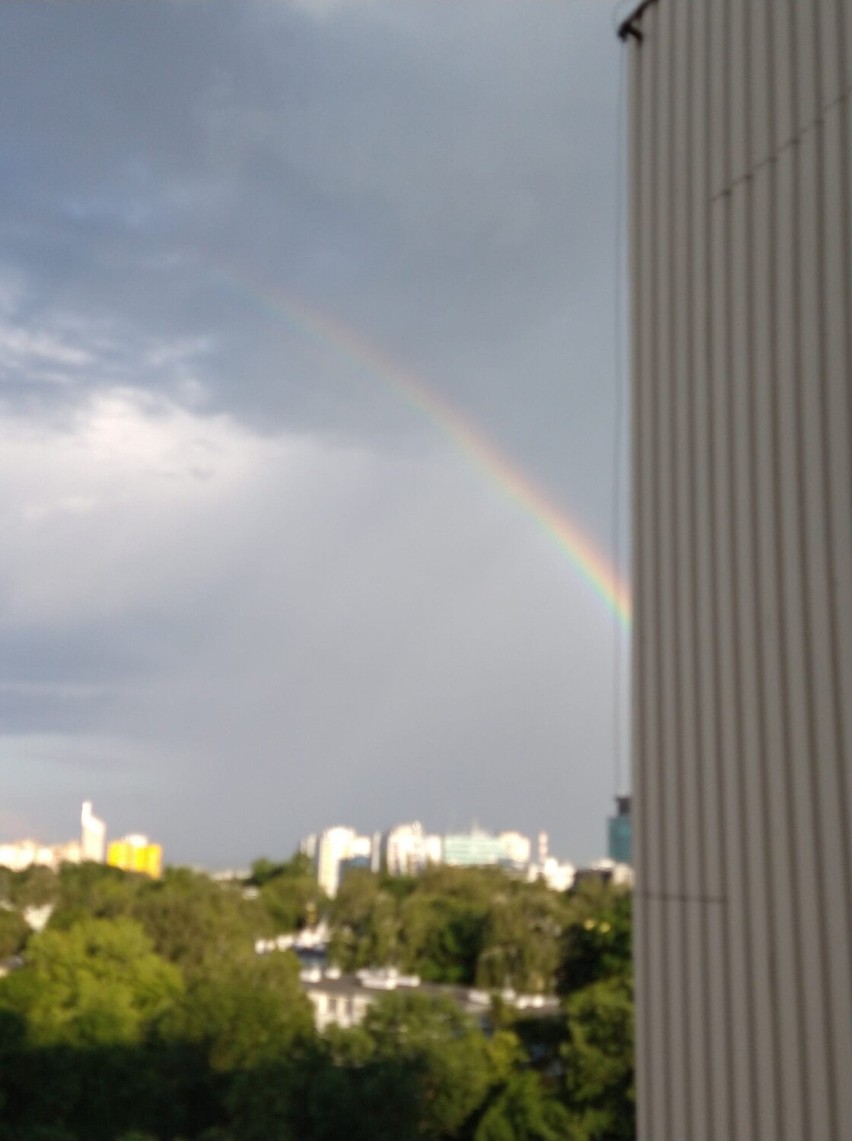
[97, 983]
[143, 1012]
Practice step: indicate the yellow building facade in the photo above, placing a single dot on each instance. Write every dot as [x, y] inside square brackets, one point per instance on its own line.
[136, 854]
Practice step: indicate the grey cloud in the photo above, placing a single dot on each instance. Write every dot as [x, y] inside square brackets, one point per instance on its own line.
[293, 602]
[415, 673]
[421, 175]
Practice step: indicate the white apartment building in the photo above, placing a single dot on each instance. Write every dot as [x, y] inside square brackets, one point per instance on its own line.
[344, 1000]
[332, 848]
[516, 846]
[408, 850]
[22, 854]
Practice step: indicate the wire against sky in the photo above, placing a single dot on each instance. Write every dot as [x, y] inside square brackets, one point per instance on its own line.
[506, 475]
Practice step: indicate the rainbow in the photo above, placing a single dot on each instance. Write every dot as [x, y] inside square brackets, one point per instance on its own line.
[332, 335]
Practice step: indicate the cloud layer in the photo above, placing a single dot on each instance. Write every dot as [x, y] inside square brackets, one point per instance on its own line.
[246, 591]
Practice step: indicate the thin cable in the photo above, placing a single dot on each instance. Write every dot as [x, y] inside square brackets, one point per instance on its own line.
[618, 427]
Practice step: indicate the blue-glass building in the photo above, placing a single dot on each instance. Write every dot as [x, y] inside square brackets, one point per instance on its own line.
[620, 833]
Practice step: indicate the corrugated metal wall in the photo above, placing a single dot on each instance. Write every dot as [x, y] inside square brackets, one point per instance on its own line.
[742, 433]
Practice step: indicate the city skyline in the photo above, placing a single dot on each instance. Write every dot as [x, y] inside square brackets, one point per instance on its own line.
[132, 852]
[408, 840]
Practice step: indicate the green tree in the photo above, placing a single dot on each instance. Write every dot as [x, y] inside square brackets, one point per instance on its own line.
[443, 922]
[35, 886]
[416, 1069]
[523, 1110]
[244, 1014]
[313, 1096]
[292, 899]
[443, 1048]
[598, 943]
[598, 1060]
[14, 933]
[297, 867]
[521, 939]
[42, 1133]
[366, 923]
[95, 891]
[197, 923]
[98, 982]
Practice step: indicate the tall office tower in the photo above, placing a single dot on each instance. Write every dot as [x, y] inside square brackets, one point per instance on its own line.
[620, 832]
[92, 835]
[741, 222]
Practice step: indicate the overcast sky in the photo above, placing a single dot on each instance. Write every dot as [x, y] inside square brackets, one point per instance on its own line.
[248, 591]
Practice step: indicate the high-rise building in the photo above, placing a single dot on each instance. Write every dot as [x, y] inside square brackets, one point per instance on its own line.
[620, 832]
[741, 265]
[407, 850]
[336, 849]
[92, 835]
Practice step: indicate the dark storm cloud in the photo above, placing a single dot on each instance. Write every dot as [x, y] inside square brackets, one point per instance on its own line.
[418, 174]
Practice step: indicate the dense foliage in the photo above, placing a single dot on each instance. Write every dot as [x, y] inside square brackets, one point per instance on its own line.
[142, 1012]
[472, 926]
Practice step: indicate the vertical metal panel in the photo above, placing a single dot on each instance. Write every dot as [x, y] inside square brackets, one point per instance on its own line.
[634, 88]
[742, 263]
[827, 655]
[688, 192]
[838, 301]
[808, 395]
[716, 1053]
[660, 880]
[789, 543]
[744, 510]
[669, 578]
[677, 592]
[650, 958]
[639, 263]
[757, 192]
[781, 949]
[725, 583]
[791, 551]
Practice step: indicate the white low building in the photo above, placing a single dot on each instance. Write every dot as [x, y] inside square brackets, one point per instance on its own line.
[21, 854]
[516, 846]
[343, 1000]
[557, 876]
